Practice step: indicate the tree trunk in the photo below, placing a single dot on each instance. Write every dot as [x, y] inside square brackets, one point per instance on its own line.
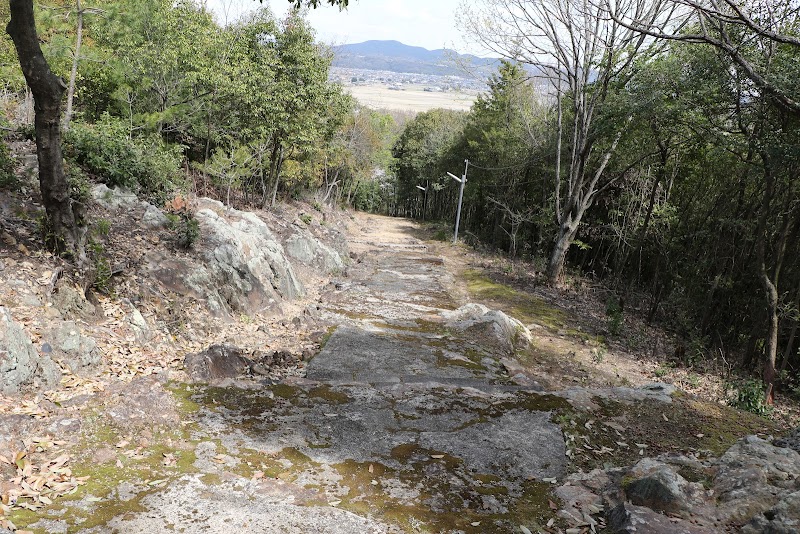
[64, 217]
[278, 166]
[772, 336]
[566, 234]
[74, 72]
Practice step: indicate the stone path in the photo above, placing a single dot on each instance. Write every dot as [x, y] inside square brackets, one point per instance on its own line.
[405, 423]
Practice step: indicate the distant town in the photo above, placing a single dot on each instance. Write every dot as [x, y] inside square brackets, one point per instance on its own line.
[399, 81]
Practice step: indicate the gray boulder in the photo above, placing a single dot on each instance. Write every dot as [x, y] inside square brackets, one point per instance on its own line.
[137, 322]
[790, 441]
[308, 250]
[115, 198]
[21, 366]
[627, 518]
[218, 362]
[241, 250]
[658, 486]
[783, 518]
[72, 303]
[489, 325]
[753, 477]
[153, 217]
[66, 343]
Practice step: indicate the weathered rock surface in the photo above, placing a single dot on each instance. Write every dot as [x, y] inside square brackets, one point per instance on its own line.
[71, 303]
[119, 198]
[753, 476]
[78, 352]
[21, 366]
[114, 198]
[243, 268]
[137, 322]
[217, 362]
[754, 487]
[659, 487]
[239, 245]
[482, 322]
[153, 217]
[141, 403]
[307, 249]
[192, 507]
[628, 518]
[790, 441]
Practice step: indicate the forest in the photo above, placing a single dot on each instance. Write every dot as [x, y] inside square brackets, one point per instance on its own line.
[651, 146]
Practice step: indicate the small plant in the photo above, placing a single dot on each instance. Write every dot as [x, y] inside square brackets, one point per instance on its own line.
[441, 235]
[102, 227]
[663, 370]
[182, 222]
[102, 268]
[7, 177]
[317, 206]
[614, 315]
[599, 354]
[748, 395]
[694, 380]
[306, 218]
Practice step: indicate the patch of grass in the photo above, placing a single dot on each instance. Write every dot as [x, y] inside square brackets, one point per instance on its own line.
[522, 306]
[664, 369]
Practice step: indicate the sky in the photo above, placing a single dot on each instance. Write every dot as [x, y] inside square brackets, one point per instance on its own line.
[427, 23]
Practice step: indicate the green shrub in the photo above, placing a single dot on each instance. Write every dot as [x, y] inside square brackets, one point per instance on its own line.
[306, 218]
[614, 315]
[748, 395]
[105, 150]
[102, 268]
[7, 177]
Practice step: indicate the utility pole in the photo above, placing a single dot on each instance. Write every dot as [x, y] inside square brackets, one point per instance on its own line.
[462, 181]
[425, 198]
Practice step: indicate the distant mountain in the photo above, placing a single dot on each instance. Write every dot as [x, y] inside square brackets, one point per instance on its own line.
[395, 56]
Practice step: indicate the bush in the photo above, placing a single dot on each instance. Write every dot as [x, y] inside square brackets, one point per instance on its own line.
[748, 396]
[614, 315]
[106, 151]
[7, 176]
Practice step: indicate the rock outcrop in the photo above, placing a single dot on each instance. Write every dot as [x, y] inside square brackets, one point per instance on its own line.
[119, 198]
[65, 342]
[308, 250]
[21, 366]
[242, 268]
[753, 488]
[217, 362]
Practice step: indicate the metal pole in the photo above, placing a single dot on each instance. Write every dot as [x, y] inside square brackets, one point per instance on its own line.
[425, 199]
[460, 198]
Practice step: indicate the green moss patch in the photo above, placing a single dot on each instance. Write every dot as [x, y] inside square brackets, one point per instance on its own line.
[522, 306]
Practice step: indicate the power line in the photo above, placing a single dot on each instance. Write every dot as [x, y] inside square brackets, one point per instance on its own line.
[516, 165]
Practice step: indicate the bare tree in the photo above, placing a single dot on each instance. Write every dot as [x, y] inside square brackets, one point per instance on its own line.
[581, 52]
[731, 26]
[516, 218]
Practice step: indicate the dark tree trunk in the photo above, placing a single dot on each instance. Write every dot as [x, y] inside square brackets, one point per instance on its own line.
[64, 217]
